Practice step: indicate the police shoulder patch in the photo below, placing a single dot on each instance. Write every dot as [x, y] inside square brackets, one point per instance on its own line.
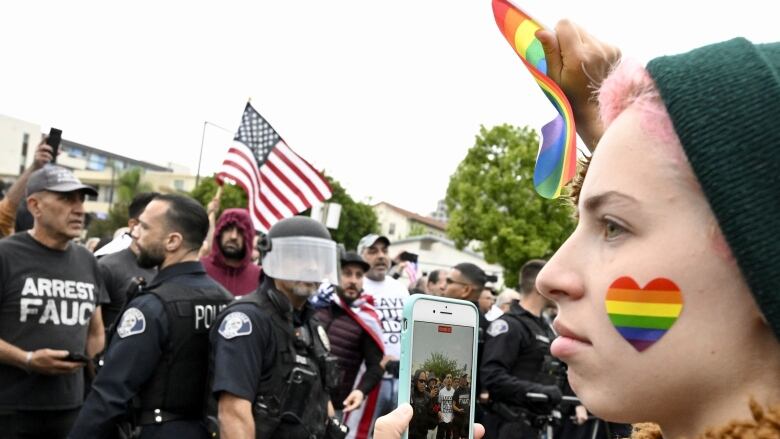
[235, 325]
[133, 322]
[498, 327]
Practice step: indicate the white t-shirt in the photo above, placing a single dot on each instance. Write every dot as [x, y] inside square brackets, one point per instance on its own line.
[445, 399]
[389, 297]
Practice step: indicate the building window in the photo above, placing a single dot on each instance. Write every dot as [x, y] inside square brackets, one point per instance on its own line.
[75, 152]
[96, 162]
[25, 142]
[391, 229]
[178, 185]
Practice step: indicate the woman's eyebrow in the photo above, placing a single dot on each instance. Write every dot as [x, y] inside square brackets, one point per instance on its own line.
[595, 202]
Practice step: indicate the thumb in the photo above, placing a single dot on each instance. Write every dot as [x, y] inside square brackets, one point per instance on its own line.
[552, 53]
[392, 425]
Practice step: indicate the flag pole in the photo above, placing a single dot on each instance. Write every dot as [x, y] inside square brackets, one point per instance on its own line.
[202, 140]
[200, 156]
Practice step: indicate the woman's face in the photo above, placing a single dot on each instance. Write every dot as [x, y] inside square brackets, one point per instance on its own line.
[641, 216]
[422, 379]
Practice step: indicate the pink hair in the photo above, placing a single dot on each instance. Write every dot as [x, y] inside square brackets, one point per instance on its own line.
[629, 84]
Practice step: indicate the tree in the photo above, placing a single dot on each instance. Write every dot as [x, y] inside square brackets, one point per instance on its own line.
[129, 184]
[357, 219]
[491, 199]
[441, 365]
[232, 195]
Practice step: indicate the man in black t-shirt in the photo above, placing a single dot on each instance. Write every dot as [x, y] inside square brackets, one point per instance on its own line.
[50, 296]
[119, 269]
[461, 402]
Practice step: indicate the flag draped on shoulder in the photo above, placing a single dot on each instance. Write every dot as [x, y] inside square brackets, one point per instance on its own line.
[278, 182]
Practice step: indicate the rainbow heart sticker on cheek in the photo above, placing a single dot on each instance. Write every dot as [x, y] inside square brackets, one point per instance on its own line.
[643, 315]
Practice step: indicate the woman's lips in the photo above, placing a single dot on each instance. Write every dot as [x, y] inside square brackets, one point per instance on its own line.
[568, 342]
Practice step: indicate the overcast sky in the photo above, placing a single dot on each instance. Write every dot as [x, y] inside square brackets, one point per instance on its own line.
[385, 96]
[456, 345]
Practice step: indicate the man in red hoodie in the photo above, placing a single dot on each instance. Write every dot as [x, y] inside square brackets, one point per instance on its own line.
[230, 260]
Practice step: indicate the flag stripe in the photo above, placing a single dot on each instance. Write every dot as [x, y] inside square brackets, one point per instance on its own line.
[268, 173]
[303, 171]
[241, 175]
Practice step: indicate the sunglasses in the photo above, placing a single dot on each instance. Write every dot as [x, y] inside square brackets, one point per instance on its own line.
[421, 382]
[450, 280]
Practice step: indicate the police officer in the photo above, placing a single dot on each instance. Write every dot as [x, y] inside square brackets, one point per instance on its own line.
[516, 360]
[270, 363]
[157, 360]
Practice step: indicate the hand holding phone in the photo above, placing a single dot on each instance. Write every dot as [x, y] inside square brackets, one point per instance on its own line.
[438, 338]
[76, 358]
[53, 140]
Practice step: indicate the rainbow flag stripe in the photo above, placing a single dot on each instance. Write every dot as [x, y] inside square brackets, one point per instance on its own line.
[556, 162]
[643, 315]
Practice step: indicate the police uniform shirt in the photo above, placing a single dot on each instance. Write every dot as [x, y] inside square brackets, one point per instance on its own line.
[137, 346]
[242, 350]
[118, 270]
[243, 346]
[47, 298]
[506, 339]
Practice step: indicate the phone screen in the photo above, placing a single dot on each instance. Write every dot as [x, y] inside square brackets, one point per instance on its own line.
[442, 356]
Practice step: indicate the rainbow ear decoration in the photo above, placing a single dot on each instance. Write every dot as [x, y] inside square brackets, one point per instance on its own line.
[556, 163]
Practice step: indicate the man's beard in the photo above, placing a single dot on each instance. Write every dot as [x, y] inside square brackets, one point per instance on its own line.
[346, 299]
[304, 291]
[233, 253]
[150, 258]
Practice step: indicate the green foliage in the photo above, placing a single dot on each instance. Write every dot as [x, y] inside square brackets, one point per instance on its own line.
[357, 219]
[129, 184]
[232, 196]
[441, 365]
[491, 199]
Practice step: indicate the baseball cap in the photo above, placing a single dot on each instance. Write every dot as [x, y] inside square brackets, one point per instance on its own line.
[354, 258]
[55, 178]
[369, 240]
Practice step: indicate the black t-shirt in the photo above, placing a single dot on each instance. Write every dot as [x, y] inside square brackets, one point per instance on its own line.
[462, 398]
[118, 270]
[47, 298]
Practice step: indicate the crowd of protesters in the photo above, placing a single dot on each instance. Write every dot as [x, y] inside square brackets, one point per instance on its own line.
[67, 312]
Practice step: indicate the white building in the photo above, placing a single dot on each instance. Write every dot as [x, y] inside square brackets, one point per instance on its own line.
[436, 253]
[397, 223]
[93, 166]
[18, 140]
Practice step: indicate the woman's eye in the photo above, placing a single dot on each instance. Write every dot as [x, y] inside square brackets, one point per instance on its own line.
[612, 230]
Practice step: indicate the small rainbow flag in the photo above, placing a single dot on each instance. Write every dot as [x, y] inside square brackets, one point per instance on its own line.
[643, 315]
[556, 162]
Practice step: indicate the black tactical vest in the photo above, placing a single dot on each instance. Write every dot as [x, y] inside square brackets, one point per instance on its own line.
[533, 363]
[179, 382]
[292, 398]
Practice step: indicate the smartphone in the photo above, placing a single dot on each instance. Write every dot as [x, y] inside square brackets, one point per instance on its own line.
[407, 256]
[76, 357]
[438, 364]
[53, 140]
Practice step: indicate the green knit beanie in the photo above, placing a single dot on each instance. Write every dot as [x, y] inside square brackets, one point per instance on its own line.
[724, 101]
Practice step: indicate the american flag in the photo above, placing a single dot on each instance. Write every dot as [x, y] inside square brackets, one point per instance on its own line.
[278, 182]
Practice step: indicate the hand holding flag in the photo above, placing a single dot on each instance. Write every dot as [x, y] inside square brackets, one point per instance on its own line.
[556, 162]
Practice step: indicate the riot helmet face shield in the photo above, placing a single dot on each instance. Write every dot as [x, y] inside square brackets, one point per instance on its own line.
[302, 259]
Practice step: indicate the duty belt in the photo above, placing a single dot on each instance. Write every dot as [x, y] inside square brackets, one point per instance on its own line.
[157, 416]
